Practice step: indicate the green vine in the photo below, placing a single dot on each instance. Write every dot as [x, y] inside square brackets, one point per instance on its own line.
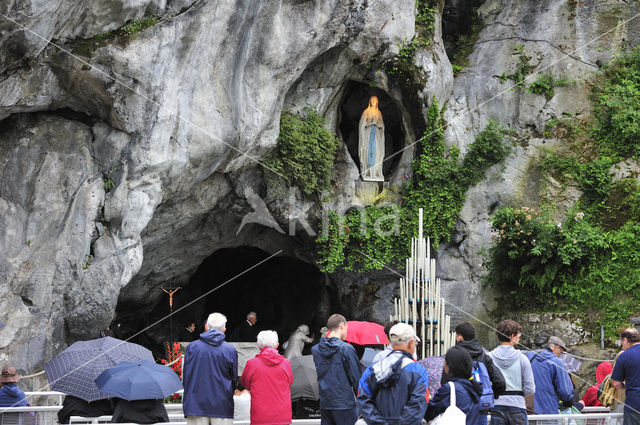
[523, 68]
[616, 96]
[545, 85]
[305, 153]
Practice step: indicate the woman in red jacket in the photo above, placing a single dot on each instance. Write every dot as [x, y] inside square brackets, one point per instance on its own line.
[268, 377]
[590, 398]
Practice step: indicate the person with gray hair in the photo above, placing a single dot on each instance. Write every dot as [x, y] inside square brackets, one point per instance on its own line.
[268, 378]
[296, 342]
[395, 389]
[210, 368]
[551, 378]
[248, 330]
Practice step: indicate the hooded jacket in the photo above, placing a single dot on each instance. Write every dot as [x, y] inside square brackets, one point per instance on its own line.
[394, 391]
[12, 396]
[268, 377]
[590, 396]
[552, 382]
[209, 376]
[518, 377]
[338, 373]
[139, 412]
[478, 353]
[467, 399]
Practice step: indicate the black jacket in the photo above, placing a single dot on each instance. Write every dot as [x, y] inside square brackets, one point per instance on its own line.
[74, 406]
[246, 332]
[139, 411]
[476, 352]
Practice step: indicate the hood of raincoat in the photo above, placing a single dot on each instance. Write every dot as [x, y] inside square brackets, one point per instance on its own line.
[472, 347]
[602, 371]
[387, 370]
[270, 357]
[212, 337]
[327, 347]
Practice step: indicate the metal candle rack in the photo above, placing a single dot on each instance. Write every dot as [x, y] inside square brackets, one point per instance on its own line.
[420, 304]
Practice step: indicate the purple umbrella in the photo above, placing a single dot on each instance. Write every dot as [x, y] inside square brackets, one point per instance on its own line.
[74, 370]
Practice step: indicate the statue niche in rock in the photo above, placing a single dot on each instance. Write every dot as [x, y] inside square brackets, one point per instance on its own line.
[371, 142]
[296, 342]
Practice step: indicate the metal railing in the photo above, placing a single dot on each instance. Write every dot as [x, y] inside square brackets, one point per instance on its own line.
[40, 415]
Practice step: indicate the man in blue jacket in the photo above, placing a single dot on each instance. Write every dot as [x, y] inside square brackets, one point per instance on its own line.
[10, 394]
[209, 376]
[395, 389]
[338, 375]
[551, 378]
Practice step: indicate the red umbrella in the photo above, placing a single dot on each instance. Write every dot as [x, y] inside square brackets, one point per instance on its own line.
[365, 333]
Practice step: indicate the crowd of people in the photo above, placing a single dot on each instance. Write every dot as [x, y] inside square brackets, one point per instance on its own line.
[506, 383]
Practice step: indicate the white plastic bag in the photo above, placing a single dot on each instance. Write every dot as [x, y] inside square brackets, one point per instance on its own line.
[453, 415]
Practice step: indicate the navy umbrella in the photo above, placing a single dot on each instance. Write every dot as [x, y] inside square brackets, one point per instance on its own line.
[74, 370]
[139, 381]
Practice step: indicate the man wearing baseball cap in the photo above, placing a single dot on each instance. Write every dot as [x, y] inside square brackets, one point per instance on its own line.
[395, 389]
[551, 378]
[10, 394]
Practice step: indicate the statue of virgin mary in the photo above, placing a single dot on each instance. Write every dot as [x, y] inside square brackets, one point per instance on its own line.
[371, 142]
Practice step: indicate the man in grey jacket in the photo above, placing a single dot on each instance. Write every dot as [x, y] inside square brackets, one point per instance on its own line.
[512, 406]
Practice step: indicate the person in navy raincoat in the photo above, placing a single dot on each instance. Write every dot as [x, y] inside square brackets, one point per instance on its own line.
[395, 389]
[338, 375]
[10, 394]
[458, 364]
[210, 375]
[553, 383]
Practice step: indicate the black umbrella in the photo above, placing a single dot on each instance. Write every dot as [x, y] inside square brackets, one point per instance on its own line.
[305, 379]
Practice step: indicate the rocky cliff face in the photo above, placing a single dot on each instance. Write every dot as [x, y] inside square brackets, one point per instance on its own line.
[125, 159]
[567, 39]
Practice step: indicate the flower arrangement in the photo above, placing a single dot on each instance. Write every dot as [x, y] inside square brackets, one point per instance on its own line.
[174, 352]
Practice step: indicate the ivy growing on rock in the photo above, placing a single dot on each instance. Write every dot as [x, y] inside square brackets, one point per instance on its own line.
[616, 96]
[305, 153]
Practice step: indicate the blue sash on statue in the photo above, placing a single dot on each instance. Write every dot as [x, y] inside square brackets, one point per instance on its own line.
[372, 147]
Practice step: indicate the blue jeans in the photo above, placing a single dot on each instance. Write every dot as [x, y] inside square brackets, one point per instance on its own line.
[508, 415]
[338, 417]
[631, 417]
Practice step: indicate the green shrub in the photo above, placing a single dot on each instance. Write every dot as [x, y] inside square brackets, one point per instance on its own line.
[616, 97]
[592, 177]
[575, 265]
[305, 152]
[545, 85]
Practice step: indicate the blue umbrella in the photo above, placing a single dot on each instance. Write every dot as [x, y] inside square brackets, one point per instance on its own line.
[74, 370]
[139, 381]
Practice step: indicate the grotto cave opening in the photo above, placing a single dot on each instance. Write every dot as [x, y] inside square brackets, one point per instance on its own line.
[284, 291]
[355, 100]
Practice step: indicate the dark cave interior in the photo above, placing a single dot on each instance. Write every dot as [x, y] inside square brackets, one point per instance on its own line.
[285, 292]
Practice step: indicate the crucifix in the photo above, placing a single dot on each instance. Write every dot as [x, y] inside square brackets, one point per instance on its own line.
[171, 296]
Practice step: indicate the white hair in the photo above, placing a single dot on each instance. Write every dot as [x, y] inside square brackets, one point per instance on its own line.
[267, 339]
[217, 321]
[251, 314]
